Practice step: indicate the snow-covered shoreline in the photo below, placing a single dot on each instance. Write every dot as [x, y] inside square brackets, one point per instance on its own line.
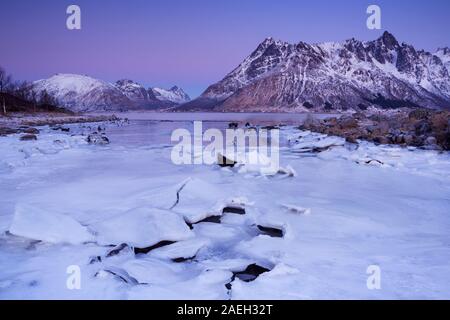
[371, 205]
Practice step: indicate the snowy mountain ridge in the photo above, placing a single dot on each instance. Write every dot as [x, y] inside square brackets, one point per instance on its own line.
[279, 76]
[174, 94]
[82, 93]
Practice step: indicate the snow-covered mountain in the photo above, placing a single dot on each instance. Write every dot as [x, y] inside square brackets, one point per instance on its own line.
[444, 55]
[135, 92]
[81, 93]
[175, 95]
[279, 76]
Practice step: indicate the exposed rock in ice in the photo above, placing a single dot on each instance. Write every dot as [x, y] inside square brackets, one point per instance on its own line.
[250, 273]
[98, 139]
[146, 250]
[120, 249]
[142, 227]
[34, 223]
[271, 231]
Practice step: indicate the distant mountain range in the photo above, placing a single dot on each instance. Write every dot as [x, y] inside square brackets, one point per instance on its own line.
[81, 93]
[283, 77]
[279, 76]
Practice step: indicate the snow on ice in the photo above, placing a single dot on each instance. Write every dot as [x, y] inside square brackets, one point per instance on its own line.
[205, 232]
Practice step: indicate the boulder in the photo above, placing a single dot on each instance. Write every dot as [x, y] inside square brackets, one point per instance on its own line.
[28, 137]
[6, 131]
[430, 141]
[97, 139]
[381, 140]
[31, 131]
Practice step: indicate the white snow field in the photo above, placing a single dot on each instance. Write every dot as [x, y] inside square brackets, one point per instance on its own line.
[140, 227]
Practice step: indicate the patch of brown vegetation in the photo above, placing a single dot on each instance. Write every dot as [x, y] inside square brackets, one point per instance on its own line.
[419, 128]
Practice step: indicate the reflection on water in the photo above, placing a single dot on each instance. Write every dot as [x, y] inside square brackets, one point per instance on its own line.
[156, 128]
[268, 118]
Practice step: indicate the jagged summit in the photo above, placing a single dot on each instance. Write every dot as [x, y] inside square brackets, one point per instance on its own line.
[174, 95]
[279, 76]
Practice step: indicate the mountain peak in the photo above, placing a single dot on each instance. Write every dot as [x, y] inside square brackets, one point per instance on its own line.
[173, 95]
[332, 76]
[388, 40]
[444, 50]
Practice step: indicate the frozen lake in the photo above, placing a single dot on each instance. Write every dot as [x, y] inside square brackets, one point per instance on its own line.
[64, 203]
[268, 118]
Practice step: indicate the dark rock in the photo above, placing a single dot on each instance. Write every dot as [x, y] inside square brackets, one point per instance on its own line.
[31, 131]
[252, 272]
[225, 162]
[181, 260]
[351, 139]
[271, 127]
[273, 232]
[117, 250]
[374, 161]
[61, 128]
[235, 210]
[28, 137]
[212, 219]
[7, 131]
[97, 139]
[156, 246]
[96, 259]
[308, 105]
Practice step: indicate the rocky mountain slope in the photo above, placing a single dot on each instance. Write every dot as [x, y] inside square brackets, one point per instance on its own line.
[81, 93]
[174, 95]
[279, 76]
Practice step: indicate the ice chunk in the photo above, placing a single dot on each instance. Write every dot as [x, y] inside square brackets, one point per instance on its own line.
[297, 209]
[154, 271]
[209, 285]
[180, 250]
[34, 223]
[198, 200]
[142, 227]
[317, 143]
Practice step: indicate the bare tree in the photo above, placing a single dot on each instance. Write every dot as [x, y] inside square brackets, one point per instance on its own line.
[46, 99]
[5, 82]
[33, 98]
[22, 90]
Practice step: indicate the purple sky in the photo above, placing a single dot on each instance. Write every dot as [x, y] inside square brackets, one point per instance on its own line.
[191, 43]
